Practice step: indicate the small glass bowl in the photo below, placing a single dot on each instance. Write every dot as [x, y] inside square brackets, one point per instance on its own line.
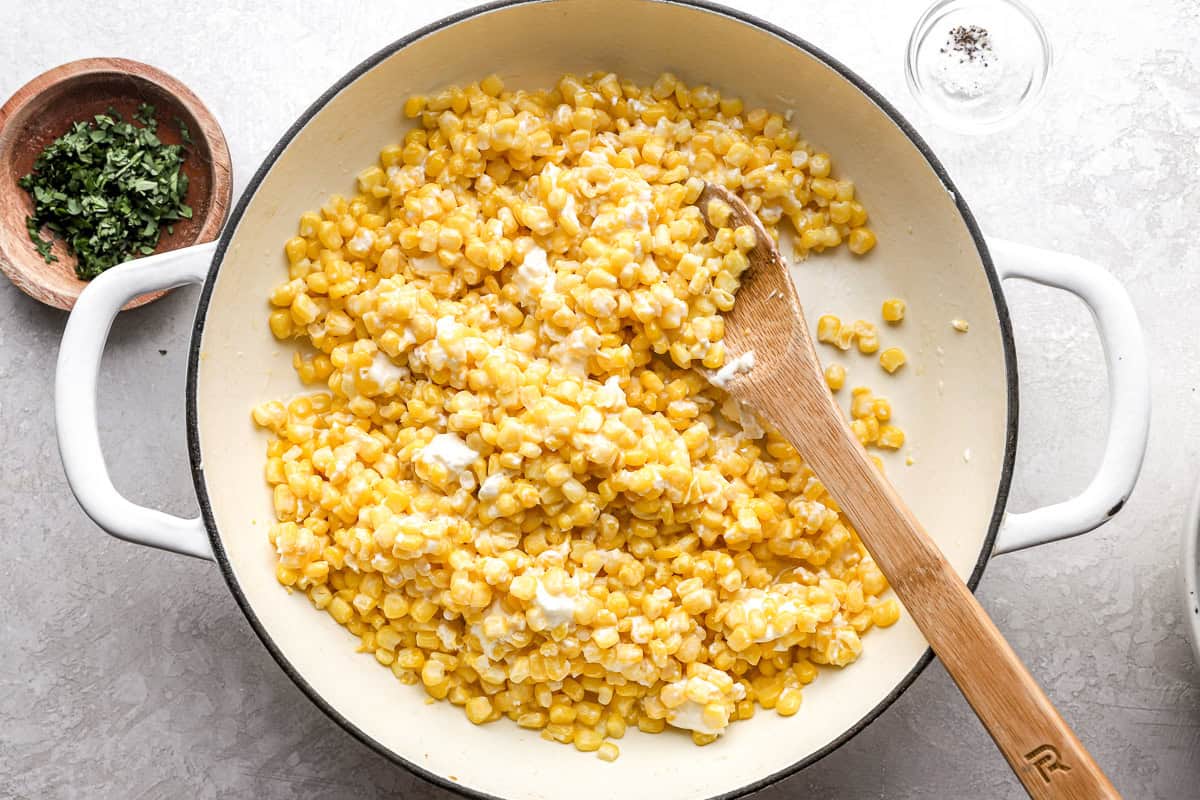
[987, 89]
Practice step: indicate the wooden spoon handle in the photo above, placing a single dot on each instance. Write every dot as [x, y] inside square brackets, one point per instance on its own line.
[1040, 747]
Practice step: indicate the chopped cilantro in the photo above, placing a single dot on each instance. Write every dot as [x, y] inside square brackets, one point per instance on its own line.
[105, 188]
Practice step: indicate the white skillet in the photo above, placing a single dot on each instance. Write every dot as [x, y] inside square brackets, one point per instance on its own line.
[958, 395]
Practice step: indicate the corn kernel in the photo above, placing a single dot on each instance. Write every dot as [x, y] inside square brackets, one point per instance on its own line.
[587, 740]
[862, 241]
[890, 437]
[835, 377]
[281, 324]
[608, 752]
[788, 702]
[893, 310]
[478, 709]
[828, 328]
[892, 359]
[886, 613]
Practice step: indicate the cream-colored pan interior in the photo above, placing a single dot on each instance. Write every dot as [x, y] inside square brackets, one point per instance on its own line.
[951, 398]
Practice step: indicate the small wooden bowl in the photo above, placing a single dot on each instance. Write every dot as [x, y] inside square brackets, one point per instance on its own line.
[46, 107]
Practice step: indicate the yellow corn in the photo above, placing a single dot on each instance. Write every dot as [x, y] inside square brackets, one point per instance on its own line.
[788, 702]
[835, 376]
[608, 751]
[501, 328]
[478, 709]
[886, 613]
[828, 328]
[893, 310]
[862, 241]
[890, 437]
[892, 359]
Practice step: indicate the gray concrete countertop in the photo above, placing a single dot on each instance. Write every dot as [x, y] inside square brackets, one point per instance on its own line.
[130, 673]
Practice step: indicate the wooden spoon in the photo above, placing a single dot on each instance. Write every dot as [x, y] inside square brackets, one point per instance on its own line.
[787, 388]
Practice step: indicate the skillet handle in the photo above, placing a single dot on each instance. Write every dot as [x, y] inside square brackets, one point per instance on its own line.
[75, 400]
[1128, 386]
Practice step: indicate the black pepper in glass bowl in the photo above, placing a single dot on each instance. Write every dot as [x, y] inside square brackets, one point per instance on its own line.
[977, 65]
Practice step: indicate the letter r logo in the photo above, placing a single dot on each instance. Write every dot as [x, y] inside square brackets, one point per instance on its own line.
[1047, 761]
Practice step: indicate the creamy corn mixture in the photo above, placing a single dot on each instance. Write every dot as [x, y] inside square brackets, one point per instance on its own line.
[514, 484]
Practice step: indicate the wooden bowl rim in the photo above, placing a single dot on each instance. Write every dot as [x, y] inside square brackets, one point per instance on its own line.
[28, 275]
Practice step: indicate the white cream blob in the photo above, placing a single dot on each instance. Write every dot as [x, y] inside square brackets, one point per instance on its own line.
[446, 350]
[611, 396]
[690, 717]
[533, 274]
[572, 353]
[753, 600]
[361, 242]
[738, 366]
[490, 488]
[558, 609]
[450, 451]
[382, 371]
[514, 623]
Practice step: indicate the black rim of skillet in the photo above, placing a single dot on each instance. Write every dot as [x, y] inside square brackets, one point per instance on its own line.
[236, 216]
